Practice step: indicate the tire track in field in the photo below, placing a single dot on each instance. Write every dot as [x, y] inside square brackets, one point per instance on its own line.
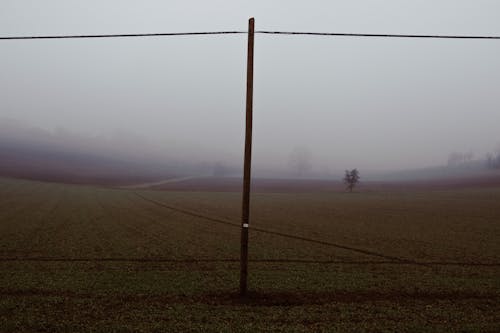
[144, 209]
[104, 235]
[281, 234]
[15, 210]
[42, 225]
[135, 229]
[164, 228]
[131, 226]
[259, 298]
[31, 226]
[107, 232]
[108, 211]
[55, 224]
[237, 260]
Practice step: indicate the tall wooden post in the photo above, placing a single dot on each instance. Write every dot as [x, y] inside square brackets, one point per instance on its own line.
[245, 214]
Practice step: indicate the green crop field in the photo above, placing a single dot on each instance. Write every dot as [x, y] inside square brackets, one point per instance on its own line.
[91, 259]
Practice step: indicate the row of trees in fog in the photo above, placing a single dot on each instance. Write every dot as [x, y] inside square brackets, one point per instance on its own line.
[493, 160]
[457, 159]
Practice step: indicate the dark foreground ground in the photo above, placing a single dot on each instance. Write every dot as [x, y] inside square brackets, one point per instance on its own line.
[90, 259]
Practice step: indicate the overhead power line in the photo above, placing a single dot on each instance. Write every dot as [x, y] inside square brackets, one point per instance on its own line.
[267, 32]
[342, 34]
[161, 34]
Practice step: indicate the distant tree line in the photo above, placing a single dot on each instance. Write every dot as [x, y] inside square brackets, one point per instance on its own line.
[458, 158]
[493, 160]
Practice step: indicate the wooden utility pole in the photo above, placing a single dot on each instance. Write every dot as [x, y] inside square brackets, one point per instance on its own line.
[245, 214]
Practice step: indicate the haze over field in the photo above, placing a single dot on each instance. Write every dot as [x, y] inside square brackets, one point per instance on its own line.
[123, 204]
[374, 104]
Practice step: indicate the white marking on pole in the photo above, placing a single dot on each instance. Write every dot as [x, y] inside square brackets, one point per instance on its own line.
[245, 225]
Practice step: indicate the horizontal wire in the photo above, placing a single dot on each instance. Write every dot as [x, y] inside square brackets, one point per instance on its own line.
[341, 34]
[162, 34]
[267, 32]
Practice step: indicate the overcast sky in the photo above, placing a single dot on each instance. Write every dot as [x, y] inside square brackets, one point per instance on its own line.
[352, 102]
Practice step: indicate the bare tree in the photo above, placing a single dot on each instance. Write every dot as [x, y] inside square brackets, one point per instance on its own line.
[468, 156]
[351, 178]
[300, 160]
[455, 159]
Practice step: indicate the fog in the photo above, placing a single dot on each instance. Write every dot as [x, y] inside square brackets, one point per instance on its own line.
[368, 103]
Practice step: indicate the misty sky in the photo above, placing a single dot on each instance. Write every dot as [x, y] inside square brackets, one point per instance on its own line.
[366, 103]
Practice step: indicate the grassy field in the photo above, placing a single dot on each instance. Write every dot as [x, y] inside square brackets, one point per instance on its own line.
[90, 259]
